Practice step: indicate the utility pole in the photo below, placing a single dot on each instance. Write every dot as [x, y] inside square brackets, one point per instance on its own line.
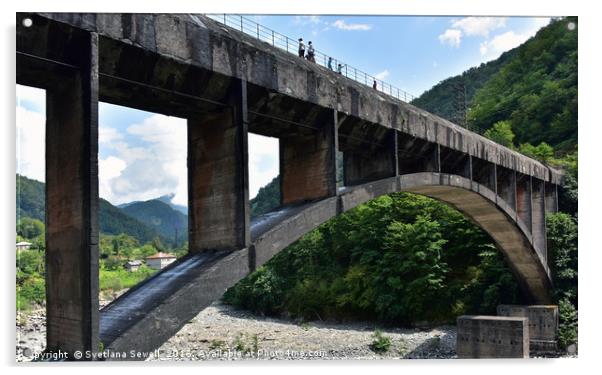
[460, 104]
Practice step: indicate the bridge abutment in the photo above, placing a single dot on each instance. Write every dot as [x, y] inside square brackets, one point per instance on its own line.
[72, 206]
[218, 193]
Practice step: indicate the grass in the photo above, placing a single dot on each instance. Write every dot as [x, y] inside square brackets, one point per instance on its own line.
[381, 343]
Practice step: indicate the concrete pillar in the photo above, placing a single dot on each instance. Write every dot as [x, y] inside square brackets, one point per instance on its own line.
[454, 162]
[506, 185]
[538, 221]
[72, 207]
[361, 166]
[551, 198]
[523, 199]
[218, 192]
[308, 165]
[483, 172]
[415, 155]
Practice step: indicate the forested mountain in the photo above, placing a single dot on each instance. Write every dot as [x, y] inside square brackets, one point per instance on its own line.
[446, 99]
[30, 198]
[267, 199]
[160, 216]
[533, 87]
[536, 91]
[165, 199]
[30, 203]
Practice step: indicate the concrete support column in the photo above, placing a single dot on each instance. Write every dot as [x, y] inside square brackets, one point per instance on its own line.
[538, 220]
[506, 185]
[218, 181]
[523, 199]
[72, 207]
[365, 166]
[308, 164]
[551, 198]
[484, 173]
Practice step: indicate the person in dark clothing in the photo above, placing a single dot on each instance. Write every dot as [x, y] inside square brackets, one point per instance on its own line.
[330, 63]
[301, 48]
[340, 69]
[374, 85]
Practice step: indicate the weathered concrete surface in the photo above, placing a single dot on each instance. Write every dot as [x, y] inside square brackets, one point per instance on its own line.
[543, 324]
[218, 179]
[307, 165]
[198, 41]
[72, 206]
[481, 336]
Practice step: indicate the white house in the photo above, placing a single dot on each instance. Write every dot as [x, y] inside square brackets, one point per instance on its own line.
[160, 260]
[23, 245]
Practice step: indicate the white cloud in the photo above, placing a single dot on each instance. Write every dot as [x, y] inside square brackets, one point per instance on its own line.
[31, 129]
[304, 20]
[481, 26]
[382, 75]
[107, 135]
[263, 162]
[155, 168]
[453, 37]
[494, 47]
[31, 132]
[342, 25]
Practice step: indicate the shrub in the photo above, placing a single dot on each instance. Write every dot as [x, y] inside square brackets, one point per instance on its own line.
[381, 343]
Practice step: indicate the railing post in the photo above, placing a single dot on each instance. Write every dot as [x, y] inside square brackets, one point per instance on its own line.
[273, 42]
[287, 44]
[225, 19]
[257, 31]
[241, 25]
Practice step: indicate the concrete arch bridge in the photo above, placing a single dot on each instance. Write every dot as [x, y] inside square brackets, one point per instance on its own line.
[227, 84]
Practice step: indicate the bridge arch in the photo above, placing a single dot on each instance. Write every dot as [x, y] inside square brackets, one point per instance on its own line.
[475, 201]
[150, 313]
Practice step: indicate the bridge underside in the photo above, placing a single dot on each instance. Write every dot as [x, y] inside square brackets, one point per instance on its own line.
[226, 86]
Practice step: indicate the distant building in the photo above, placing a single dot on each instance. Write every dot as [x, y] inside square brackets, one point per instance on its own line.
[132, 265]
[160, 260]
[23, 245]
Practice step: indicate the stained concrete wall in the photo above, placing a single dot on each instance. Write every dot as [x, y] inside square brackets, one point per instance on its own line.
[543, 323]
[308, 164]
[202, 42]
[482, 336]
[72, 207]
[361, 165]
[218, 195]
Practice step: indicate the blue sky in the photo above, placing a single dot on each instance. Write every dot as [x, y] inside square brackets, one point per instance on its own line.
[143, 155]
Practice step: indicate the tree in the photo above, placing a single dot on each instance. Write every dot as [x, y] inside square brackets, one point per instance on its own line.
[543, 152]
[30, 228]
[501, 133]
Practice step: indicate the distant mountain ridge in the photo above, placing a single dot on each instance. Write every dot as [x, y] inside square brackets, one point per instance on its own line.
[112, 220]
[167, 198]
[160, 216]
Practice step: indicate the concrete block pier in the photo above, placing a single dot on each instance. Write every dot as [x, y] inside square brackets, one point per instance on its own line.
[481, 336]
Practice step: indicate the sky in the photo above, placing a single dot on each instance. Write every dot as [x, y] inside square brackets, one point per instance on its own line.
[142, 155]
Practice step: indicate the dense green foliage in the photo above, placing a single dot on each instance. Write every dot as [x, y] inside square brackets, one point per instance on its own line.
[30, 279]
[562, 251]
[267, 198]
[399, 258]
[501, 132]
[30, 198]
[536, 91]
[440, 98]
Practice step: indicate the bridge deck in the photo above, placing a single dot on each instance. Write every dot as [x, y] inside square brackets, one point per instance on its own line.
[132, 306]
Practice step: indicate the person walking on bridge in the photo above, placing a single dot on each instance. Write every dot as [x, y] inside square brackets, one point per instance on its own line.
[301, 48]
[311, 53]
[330, 63]
[340, 69]
[374, 85]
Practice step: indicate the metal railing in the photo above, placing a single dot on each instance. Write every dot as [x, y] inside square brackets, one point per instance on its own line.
[276, 39]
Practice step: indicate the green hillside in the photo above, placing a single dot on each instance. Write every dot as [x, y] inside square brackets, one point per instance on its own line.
[160, 216]
[536, 91]
[446, 98]
[267, 199]
[30, 203]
